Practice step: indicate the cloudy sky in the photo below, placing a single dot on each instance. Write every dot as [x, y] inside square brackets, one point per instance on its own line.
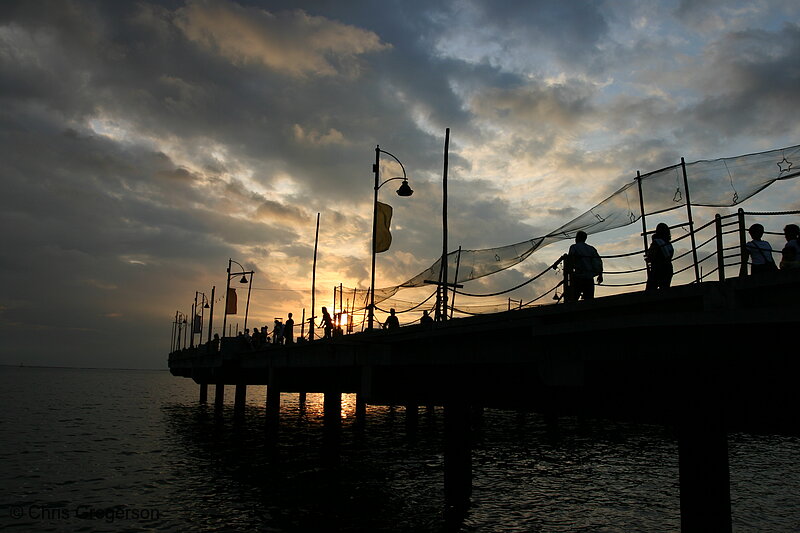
[144, 143]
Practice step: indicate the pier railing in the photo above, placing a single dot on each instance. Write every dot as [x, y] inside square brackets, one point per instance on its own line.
[713, 251]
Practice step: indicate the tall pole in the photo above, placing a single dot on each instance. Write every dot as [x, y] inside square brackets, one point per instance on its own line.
[443, 276]
[173, 344]
[376, 169]
[691, 221]
[247, 307]
[194, 312]
[202, 318]
[227, 290]
[641, 208]
[313, 285]
[455, 282]
[211, 312]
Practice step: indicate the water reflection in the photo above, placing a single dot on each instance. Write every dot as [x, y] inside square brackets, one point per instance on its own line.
[139, 440]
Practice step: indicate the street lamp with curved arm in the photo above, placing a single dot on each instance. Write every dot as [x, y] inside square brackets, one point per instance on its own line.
[404, 190]
[244, 279]
[177, 329]
[198, 309]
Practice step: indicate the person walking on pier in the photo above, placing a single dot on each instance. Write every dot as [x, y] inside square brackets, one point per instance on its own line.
[327, 323]
[583, 264]
[288, 330]
[790, 259]
[391, 321]
[426, 319]
[760, 252]
[659, 259]
[277, 332]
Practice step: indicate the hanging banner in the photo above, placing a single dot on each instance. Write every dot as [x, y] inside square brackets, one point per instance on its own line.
[383, 237]
[230, 302]
[198, 324]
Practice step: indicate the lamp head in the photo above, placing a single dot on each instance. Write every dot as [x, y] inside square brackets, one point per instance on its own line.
[206, 306]
[404, 189]
[244, 279]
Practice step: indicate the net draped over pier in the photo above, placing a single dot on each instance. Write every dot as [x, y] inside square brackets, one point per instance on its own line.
[723, 182]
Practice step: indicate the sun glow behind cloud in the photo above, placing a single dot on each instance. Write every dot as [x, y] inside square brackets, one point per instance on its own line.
[147, 143]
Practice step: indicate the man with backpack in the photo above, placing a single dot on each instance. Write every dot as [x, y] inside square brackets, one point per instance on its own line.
[583, 264]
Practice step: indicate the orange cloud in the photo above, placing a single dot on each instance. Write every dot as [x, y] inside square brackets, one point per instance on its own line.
[291, 42]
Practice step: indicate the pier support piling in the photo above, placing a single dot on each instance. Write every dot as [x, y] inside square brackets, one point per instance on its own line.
[219, 394]
[273, 403]
[704, 473]
[204, 393]
[332, 426]
[361, 408]
[240, 397]
[457, 459]
[332, 408]
[301, 401]
[412, 417]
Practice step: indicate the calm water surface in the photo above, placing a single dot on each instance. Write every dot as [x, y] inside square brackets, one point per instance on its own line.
[120, 450]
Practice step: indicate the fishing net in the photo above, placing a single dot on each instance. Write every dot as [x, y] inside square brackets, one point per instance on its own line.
[722, 182]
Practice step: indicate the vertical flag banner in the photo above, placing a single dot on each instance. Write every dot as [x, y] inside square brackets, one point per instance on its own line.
[383, 237]
[198, 324]
[230, 302]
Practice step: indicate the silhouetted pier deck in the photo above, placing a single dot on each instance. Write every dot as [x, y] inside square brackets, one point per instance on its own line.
[705, 358]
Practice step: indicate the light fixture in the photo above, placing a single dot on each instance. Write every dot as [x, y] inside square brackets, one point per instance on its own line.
[404, 189]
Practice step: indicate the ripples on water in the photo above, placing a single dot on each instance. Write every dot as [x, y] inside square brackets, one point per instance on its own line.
[101, 450]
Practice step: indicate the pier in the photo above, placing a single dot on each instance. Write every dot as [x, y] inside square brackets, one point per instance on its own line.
[705, 359]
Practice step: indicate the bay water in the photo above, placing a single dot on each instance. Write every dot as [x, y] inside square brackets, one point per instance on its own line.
[98, 450]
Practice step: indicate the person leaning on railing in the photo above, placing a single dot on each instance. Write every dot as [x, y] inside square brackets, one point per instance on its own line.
[790, 259]
[659, 259]
[760, 252]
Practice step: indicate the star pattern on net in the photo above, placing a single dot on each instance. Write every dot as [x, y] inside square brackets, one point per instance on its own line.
[785, 162]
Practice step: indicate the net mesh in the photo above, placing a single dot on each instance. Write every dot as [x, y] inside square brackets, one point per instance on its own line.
[722, 182]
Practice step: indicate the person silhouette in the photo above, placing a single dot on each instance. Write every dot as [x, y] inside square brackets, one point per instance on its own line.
[288, 330]
[760, 252]
[277, 332]
[327, 323]
[659, 259]
[391, 321]
[583, 264]
[790, 255]
[426, 319]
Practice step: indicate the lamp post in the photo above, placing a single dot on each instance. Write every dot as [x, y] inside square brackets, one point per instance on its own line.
[203, 305]
[404, 190]
[244, 279]
[177, 330]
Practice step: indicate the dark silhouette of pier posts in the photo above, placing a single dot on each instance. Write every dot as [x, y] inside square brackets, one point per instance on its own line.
[412, 417]
[412, 420]
[240, 397]
[361, 408]
[301, 400]
[204, 393]
[457, 460]
[331, 426]
[273, 403]
[704, 472]
[332, 407]
[219, 394]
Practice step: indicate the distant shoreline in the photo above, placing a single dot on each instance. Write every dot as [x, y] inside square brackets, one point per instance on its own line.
[6, 365]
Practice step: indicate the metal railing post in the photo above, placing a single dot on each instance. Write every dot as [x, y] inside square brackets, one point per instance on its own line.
[742, 244]
[720, 250]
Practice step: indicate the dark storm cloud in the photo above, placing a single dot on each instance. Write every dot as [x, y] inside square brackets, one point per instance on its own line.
[504, 33]
[145, 143]
[755, 82]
